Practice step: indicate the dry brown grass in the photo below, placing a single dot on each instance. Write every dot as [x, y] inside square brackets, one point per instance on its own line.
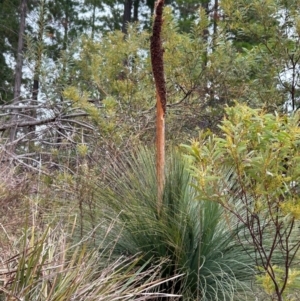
[13, 190]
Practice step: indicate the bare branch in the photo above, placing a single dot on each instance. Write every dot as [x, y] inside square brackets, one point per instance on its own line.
[26, 123]
[83, 124]
[18, 107]
[4, 127]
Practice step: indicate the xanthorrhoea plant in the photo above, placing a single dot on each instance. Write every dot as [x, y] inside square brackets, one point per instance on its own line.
[192, 236]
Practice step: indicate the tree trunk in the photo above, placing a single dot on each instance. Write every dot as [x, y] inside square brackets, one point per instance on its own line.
[205, 6]
[18, 70]
[36, 75]
[126, 15]
[215, 22]
[33, 115]
[65, 22]
[161, 100]
[136, 10]
[93, 21]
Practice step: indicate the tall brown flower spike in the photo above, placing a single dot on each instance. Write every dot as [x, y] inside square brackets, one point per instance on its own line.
[157, 55]
[157, 51]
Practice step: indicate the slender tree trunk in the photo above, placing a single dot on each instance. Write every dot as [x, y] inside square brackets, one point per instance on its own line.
[161, 100]
[93, 20]
[65, 23]
[215, 22]
[151, 4]
[18, 70]
[36, 75]
[205, 6]
[33, 115]
[136, 10]
[126, 15]
[59, 137]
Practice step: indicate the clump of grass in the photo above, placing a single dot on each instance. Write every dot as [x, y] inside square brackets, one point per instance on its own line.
[49, 267]
[14, 187]
[190, 234]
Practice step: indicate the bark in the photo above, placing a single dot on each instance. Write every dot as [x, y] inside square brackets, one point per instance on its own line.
[161, 100]
[126, 15]
[136, 10]
[93, 21]
[32, 128]
[215, 22]
[205, 6]
[18, 69]
[216, 16]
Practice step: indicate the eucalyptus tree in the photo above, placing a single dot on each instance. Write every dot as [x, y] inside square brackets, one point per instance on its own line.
[18, 67]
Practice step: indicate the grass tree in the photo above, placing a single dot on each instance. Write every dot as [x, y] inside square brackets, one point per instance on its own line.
[253, 171]
[193, 238]
[152, 204]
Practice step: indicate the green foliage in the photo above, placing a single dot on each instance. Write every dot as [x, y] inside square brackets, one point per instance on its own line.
[267, 29]
[252, 170]
[292, 284]
[251, 22]
[202, 75]
[193, 237]
[262, 148]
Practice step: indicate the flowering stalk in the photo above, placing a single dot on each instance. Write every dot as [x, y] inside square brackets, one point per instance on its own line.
[161, 99]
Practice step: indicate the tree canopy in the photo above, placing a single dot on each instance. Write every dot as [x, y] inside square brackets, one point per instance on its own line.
[86, 79]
